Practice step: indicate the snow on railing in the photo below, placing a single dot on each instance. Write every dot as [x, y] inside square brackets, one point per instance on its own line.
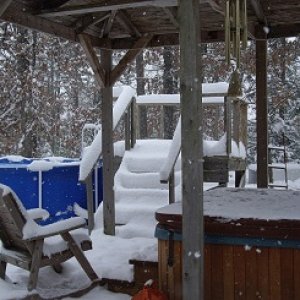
[174, 151]
[91, 154]
[212, 93]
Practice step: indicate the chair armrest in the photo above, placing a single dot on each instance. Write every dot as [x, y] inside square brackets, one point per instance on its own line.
[38, 213]
[33, 232]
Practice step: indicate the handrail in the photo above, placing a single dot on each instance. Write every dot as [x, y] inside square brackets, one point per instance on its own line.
[92, 127]
[168, 167]
[92, 153]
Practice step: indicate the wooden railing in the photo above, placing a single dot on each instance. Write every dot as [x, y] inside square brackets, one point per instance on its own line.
[235, 127]
[123, 107]
[167, 172]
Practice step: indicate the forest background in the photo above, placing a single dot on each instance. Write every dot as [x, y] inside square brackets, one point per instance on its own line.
[48, 92]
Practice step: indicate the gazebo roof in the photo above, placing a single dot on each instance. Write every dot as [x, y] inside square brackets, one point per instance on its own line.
[117, 24]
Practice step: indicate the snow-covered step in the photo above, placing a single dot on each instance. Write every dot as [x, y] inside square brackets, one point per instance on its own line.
[147, 156]
[138, 190]
[141, 195]
[144, 165]
[142, 180]
[274, 185]
[277, 166]
[125, 213]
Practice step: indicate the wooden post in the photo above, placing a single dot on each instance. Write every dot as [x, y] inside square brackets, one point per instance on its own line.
[227, 123]
[192, 152]
[172, 187]
[127, 119]
[261, 113]
[236, 120]
[244, 123]
[107, 146]
[133, 122]
[140, 89]
[90, 201]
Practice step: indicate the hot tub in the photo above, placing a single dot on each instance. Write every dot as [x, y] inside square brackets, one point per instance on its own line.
[252, 245]
[51, 184]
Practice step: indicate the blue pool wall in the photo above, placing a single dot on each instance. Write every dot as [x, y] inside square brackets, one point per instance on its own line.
[60, 186]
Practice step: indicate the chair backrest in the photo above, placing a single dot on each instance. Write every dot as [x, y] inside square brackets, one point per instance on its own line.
[12, 221]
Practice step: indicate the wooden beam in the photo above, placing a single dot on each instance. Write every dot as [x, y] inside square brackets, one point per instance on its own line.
[92, 58]
[90, 21]
[109, 23]
[108, 150]
[14, 14]
[126, 23]
[46, 4]
[172, 14]
[192, 152]
[289, 30]
[129, 57]
[111, 5]
[4, 5]
[257, 7]
[216, 6]
[261, 114]
[158, 40]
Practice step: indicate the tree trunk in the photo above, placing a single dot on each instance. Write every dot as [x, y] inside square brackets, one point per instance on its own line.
[169, 87]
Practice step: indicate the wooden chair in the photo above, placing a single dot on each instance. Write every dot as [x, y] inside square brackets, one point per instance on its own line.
[26, 244]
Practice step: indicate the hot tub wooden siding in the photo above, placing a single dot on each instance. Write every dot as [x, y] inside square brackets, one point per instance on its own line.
[236, 272]
[245, 258]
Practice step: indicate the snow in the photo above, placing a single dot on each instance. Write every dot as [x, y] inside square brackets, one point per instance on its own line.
[160, 99]
[13, 158]
[216, 87]
[119, 148]
[92, 153]
[110, 255]
[235, 203]
[138, 191]
[138, 194]
[207, 88]
[41, 165]
[90, 156]
[38, 213]
[33, 230]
